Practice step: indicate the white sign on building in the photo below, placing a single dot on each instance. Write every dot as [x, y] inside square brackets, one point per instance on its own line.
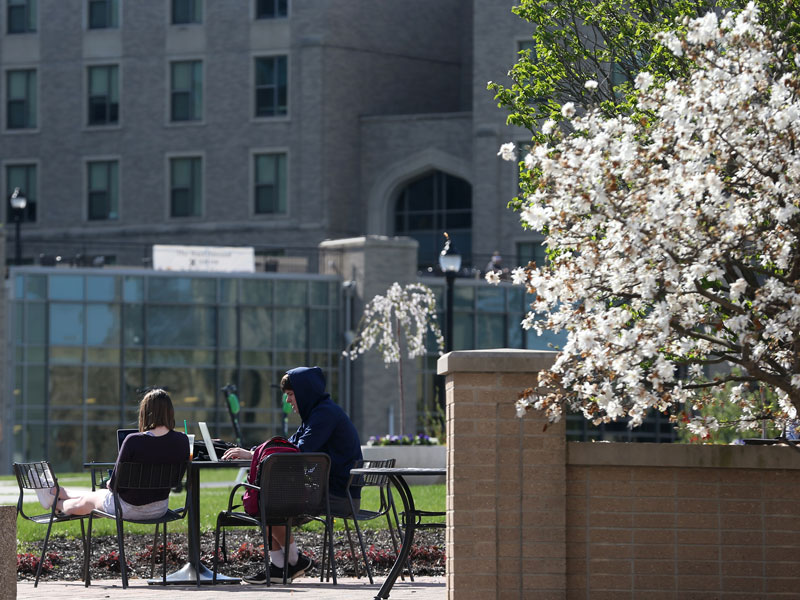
[203, 258]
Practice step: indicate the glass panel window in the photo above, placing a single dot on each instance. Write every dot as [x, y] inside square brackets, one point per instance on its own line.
[429, 206]
[270, 183]
[185, 187]
[187, 11]
[66, 324]
[271, 9]
[181, 326]
[186, 83]
[103, 325]
[271, 92]
[21, 99]
[103, 95]
[103, 178]
[21, 16]
[103, 14]
[24, 178]
[531, 251]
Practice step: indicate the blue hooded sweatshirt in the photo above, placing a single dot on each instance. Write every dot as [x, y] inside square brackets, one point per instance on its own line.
[325, 427]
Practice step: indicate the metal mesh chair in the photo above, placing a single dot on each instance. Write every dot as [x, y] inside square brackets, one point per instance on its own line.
[293, 489]
[141, 476]
[39, 476]
[386, 508]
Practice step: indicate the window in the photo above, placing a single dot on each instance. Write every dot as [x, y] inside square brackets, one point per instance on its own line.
[21, 16]
[24, 178]
[187, 11]
[103, 14]
[271, 9]
[21, 99]
[429, 206]
[185, 186]
[270, 183]
[531, 251]
[103, 95]
[528, 45]
[103, 178]
[271, 86]
[187, 90]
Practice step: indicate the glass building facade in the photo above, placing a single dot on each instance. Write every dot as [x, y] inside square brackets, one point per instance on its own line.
[85, 343]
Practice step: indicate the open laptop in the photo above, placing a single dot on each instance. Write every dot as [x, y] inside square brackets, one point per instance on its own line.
[122, 434]
[212, 454]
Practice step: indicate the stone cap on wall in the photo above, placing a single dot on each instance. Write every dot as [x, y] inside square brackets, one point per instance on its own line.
[500, 360]
[682, 455]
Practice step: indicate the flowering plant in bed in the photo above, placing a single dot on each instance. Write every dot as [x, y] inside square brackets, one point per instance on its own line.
[403, 440]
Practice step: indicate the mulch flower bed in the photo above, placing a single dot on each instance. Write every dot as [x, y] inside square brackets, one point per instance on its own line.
[64, 560]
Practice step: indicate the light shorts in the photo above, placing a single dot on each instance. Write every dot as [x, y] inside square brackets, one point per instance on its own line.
[153, 510]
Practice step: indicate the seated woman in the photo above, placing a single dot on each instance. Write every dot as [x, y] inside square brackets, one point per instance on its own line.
[156, 443]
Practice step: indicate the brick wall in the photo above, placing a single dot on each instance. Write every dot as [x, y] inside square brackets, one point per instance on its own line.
[531, 516]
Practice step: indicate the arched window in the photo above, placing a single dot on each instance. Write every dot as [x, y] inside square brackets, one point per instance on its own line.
[430, 205]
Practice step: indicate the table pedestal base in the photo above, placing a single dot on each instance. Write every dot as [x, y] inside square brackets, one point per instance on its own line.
[186, 576]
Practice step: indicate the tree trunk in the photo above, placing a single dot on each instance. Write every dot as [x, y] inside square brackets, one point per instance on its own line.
[400, 377]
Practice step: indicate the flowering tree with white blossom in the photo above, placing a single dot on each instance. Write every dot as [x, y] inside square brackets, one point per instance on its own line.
[410, 310]
[673, 236]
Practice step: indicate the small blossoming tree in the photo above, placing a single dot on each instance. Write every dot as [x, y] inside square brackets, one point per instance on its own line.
[673, 236]
[410, 310]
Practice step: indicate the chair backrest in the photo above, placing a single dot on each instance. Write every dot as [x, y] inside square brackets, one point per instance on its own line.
[35, 476]
[132, 475]
[294, 485]
[371, 479]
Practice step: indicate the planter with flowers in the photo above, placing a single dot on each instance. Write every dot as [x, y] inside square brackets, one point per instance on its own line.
[417, 451]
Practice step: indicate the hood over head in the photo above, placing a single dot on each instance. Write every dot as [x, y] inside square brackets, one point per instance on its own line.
[308, 384]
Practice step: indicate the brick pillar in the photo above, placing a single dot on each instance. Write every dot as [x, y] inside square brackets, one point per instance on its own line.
[506, 481]
[8, 552]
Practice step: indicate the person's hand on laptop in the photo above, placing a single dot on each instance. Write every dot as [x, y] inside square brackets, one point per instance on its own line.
[237, 454]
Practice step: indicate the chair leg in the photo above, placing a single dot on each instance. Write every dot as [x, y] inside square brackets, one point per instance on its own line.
[123, 567]
[286, 551]
[153, 553]
[266, 535]
[364, 549]
[224, 548]
[332, 558]
[87, 557]
[324, 556]
[44, 548]
[353, 549]
[83, 543]
[164, 557]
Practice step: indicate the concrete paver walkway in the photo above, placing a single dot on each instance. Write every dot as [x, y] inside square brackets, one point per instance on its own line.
[350, 588]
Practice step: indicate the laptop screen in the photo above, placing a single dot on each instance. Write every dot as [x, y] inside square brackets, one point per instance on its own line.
[212, 455]
[122, 434]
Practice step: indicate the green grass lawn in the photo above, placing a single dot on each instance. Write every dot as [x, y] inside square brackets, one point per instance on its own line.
[212, 501]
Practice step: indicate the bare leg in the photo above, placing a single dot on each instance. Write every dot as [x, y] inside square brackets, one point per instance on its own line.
[83, 504]
[279, 536]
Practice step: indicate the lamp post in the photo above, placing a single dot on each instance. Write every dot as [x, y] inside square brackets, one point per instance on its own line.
[18, 203]
[450, 263]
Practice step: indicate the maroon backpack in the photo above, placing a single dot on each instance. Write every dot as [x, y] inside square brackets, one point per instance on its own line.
[272, 446]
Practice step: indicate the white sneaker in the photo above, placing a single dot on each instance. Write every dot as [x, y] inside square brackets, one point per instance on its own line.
[46, 497]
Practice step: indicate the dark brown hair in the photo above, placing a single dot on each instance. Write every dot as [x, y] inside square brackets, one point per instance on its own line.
[286, 385]
[156, 410]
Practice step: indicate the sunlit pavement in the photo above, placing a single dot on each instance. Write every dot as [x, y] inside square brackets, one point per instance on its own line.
[422, 588]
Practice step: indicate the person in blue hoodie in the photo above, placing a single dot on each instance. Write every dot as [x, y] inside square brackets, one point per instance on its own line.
[325, 428]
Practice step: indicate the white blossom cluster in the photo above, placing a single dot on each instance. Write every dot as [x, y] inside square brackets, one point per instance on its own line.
[673, 235]
[410, 309]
